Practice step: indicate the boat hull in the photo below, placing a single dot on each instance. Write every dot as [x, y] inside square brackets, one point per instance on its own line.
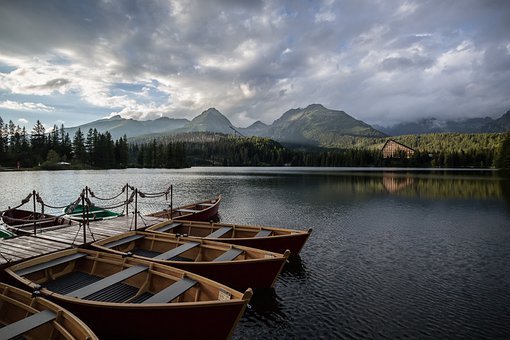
[97, 287]
[248, 268]
[203, 213]
[17, 304]
[237, 274]
[22, 221]
[277, 240]
[277, 244]
[94, 213]
[200, 322]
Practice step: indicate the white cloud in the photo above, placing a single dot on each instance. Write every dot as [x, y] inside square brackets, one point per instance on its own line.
[327, 16]
[254, 60]
[22, 121]
[28, 106]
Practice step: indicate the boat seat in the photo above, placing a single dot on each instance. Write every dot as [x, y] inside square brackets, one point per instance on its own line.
[172, 291]
[188, 210]
[169, 226]
[220, 232]
[49, 264]
[22, 326]
[168, 255]
[263, 233]
[229, 255]
[122, 241]
[107, 281]
[206, 204]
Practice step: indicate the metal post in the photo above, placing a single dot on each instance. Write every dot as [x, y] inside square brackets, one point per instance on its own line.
[35, 213]
[127, 199]
[136, 208]
[83, 215]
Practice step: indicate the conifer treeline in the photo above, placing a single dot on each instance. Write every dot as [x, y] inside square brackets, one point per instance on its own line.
[18, 148]
[99, 150]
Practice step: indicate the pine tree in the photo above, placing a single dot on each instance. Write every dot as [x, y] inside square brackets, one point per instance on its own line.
[79, 150]
[503, 161]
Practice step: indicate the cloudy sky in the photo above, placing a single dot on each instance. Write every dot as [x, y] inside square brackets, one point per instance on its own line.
[382, 61]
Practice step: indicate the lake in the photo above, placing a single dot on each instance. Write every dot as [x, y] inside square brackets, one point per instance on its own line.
[393, 253]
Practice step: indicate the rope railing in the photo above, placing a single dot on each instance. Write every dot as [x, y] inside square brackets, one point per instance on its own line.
[40, 200]
[91, 193]
[154, 194]
[71, 207]
[23, 202]
[84, 201]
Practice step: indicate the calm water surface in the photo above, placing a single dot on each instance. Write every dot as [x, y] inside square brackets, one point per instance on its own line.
[393, 254]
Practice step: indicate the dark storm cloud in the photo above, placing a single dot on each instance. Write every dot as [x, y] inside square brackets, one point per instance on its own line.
[381, 61]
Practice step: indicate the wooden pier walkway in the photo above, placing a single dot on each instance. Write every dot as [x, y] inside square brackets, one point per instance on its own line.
[25, 247]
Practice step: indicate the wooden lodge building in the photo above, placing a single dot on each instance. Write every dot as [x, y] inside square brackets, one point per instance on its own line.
[394, 149]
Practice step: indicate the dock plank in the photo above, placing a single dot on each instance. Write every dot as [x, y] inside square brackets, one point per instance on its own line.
[48, 241]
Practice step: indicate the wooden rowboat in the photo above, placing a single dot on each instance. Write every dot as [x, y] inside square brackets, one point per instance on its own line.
[201, 211]
[235, 266]
[273, 239]
[93, 214]
[23, 221]
[4, 233]
[130, 298]
[23, 316]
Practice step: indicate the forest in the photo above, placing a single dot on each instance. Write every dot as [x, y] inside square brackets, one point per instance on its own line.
[94, 150]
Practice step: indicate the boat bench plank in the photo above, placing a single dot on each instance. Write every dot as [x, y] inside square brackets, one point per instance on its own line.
[229, 255]
[263, 233]
[49, 264]
[220, 232]
[168, 255]
[122, 241]
[24, 325]
[188, 210]
[172, 291]
[107, 281]
[169, 227]
[206, 204]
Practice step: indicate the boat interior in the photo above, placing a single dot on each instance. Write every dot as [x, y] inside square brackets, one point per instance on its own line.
[25, 317]
[212, 231]
[104, 278]
[181, 249]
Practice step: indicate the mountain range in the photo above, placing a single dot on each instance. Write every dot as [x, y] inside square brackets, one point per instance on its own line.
[433, 125]
[314, 125]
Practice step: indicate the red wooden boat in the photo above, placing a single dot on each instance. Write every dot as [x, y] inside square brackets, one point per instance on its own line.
[23, 221]
[23, 316]
[123, 297]
[235, 266]
[277, 240]
[202, 211]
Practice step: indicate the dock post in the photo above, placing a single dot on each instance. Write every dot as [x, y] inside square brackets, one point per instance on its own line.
[83, 213]
[136, 208]
[171, 199]
[127, 199]
[35, 213]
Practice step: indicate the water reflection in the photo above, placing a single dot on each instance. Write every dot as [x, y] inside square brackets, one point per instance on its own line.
[413, 185]
[294, 268]
[265, 309]
[505, 190]
[393, 183]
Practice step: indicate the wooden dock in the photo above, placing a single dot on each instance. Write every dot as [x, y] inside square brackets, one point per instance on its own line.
[25, 247]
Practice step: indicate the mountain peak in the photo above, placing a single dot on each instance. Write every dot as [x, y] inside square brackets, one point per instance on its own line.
[210, 120]
[258, 124]
[315, 107]
[316, 123]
